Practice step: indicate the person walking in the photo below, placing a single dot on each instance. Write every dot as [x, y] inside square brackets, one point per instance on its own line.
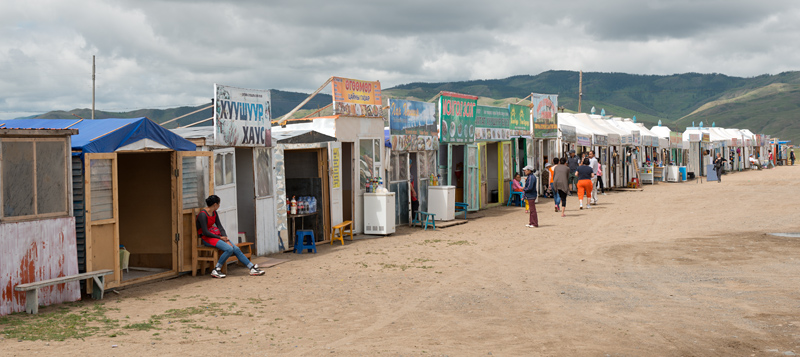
[771, 157]
[530, 196]
[584, 174]
[595, 165]
[572, 162]
[719, 162]
[556, 196]
[561, 183]
[791, 157]
[600, 179]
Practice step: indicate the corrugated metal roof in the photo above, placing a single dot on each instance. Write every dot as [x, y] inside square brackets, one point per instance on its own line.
[107, 135]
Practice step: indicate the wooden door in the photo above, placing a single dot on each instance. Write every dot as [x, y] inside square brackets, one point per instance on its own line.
[471, 178]
[102, 216]
[194, 181]
[505, 172]
[484, 179]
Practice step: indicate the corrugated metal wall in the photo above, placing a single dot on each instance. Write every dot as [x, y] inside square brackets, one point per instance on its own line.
[34, 251]
[79, 212]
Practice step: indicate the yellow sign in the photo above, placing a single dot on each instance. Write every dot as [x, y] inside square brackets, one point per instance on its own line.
[357, 98]
[335, 169]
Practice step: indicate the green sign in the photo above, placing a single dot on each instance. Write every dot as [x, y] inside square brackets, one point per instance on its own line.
[520, 120]
[492, 123]
[457, 117]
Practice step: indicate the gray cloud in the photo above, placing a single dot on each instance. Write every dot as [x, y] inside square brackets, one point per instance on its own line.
[169, 53]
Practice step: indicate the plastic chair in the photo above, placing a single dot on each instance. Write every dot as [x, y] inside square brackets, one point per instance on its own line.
[300, 242]
[512, 194]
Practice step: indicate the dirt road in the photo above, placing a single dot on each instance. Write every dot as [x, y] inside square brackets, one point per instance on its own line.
[675, 270]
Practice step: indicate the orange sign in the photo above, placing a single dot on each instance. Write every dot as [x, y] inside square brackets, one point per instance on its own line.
[357, 98]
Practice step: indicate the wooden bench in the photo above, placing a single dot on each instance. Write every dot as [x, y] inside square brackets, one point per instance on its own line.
[202, 254]
[462, 207]
[341, 228]
[32, 289]
[430, 219]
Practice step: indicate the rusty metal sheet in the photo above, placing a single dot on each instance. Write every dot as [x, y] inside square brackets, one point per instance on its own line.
[34, 251]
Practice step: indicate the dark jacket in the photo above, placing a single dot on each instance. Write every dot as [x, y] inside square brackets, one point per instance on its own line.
[530, 187]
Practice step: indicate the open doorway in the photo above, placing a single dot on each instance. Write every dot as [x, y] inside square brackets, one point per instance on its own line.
[347, 181]
[456, 171]
[492, 178]
[145, 213]
[245, 193]
[307, 177]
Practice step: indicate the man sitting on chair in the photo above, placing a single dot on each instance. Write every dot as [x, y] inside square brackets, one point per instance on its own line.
[210, 229]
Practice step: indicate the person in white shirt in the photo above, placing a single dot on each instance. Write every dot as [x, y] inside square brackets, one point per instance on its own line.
[593, 164]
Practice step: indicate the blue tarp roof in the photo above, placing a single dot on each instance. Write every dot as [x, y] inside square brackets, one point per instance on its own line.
[106, 135]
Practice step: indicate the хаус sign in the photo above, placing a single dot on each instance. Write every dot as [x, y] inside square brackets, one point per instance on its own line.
[241, 116]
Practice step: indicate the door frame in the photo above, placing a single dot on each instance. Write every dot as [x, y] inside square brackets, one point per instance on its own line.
[183, 240]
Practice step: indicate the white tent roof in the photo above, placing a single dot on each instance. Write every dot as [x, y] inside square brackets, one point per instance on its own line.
[623, 135]
[661, 131]
[628, 127]
[580, 128]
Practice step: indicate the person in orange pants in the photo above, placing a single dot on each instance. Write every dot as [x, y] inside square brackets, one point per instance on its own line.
[584, 175]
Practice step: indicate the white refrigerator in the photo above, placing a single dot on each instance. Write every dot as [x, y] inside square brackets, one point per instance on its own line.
[442, 202]
[379, 213]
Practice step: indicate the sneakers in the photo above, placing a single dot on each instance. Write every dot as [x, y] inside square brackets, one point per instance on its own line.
[255, 271]
[581, 206]
[529, 225]
[216, 273]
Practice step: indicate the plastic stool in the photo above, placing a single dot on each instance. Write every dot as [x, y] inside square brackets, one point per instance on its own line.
[300, 242]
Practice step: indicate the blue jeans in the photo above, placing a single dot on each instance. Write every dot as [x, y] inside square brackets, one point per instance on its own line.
[227, 251]
[556, 197]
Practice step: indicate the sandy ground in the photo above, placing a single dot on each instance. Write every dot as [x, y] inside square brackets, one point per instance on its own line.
[675, 270]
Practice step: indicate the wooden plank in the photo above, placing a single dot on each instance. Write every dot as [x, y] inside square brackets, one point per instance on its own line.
[61, 280]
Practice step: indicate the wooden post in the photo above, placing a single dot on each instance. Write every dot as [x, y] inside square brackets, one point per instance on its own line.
[580, 90]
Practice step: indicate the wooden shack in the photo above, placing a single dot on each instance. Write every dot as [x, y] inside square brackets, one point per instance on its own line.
[134, 186]
[37, 230]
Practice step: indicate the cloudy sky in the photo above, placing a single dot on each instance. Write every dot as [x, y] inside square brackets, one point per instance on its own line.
[162, 54]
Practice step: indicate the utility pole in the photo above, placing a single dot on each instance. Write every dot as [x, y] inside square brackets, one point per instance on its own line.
[580, 90]
[93, 75]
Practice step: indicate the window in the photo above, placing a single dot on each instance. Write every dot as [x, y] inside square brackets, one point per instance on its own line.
[223, 169]
[263, 172]
[34, 178]
[195, 182]
[369, 160]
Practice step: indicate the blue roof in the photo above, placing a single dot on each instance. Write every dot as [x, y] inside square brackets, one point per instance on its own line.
[106, 135]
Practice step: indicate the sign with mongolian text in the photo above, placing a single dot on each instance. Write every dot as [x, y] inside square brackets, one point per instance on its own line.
[492, 123]
[412, 125]
[242, 116]
[352, 97]
[545, 115]
[568, 133]
[457, 117]
[335, 177]
[520, 120]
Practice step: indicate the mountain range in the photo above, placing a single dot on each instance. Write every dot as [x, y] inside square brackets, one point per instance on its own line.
[768, 104]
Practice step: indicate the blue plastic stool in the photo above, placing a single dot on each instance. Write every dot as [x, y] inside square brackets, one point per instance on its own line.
[512, 195]
[300, 242]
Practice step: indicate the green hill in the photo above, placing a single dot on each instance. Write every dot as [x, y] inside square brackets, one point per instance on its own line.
[764, 104]
[768, 104]
[282, 103]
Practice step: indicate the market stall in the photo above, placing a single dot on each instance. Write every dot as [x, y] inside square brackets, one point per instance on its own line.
[458, 153]
[413, 143]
